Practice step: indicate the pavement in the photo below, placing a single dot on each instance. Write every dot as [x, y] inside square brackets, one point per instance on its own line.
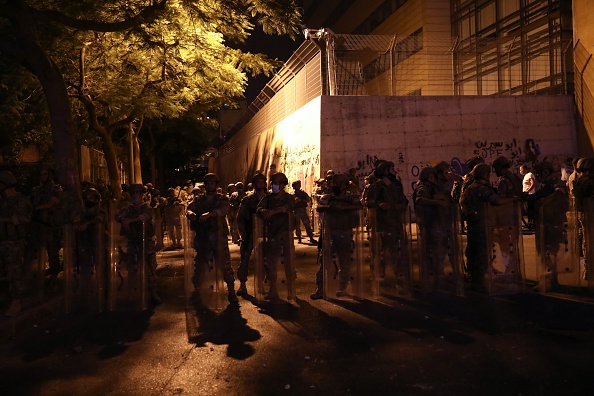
[441, 344]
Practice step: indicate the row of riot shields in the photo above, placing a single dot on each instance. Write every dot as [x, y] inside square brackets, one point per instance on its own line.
[105, 267]
[359, 261]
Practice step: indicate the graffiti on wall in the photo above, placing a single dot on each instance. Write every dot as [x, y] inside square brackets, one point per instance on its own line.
[513, 150]
[301, 163]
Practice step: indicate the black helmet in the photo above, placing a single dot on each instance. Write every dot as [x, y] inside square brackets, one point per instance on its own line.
[91, 192]
[481, 171]
[382, 168]
[239, 185]
[426, 172]
[340, 178]
[7, 179]
[210, 177]
[474, 161]
[257, 176]
[501, 162]
[136, 188]
[442, 167]
[296, 182]
[542, 166]
[279, 178]
[585, 164]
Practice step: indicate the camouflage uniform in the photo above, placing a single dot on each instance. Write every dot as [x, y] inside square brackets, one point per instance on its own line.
[210, 240]
[472, 203]
[389, 222]
[172, 211]
[15, 215]
[134, 236]
[509, 185]
[302, 200]
[432, 223]
[278, 236]
[340, 217]
[245, 223]
[234, 202]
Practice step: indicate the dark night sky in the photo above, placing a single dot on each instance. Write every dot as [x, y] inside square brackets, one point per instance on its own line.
[274, 47]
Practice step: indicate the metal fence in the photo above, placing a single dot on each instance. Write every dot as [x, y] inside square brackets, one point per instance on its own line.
[584, 85]
[347, 64]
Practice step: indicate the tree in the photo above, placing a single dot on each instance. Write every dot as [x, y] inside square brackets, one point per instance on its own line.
[140, 41]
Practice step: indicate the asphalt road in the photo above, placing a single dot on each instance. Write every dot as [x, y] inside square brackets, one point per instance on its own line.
[526, 344]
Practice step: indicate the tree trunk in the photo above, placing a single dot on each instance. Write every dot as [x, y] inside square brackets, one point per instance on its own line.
[112, 164]
[136, 156]
[25, 50]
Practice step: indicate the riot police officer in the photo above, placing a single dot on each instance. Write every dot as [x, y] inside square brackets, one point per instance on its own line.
[472, 204]
[302, 201]
[207, 215]
[276, 209]
[133, 218]
[245, 224]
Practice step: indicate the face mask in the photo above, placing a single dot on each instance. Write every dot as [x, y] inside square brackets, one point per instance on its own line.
[391, 177]
[276, 188]
[136, 200]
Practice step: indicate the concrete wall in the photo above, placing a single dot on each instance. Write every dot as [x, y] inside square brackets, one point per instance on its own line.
[416, 131]
[343, 132]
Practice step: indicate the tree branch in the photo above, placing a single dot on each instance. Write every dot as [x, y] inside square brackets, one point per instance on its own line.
[148, 14]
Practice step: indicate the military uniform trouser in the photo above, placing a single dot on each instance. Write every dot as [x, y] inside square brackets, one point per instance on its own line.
[49, 237]
[133, 253]
[394, 250]
[277, 252]
[174, 229]
[11, 257]
[211, 249]
[477, 259]
[435, 247]
[301, 215]
[245, 251]
[341, 243]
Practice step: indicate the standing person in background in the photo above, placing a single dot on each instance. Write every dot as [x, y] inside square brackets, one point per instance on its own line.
[529, 187]
[302, 201]
[174, 207]
[234, 202]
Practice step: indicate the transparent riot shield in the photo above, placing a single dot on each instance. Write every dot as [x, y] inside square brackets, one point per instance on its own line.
[556, 244]
[439, 247]
[127, 274]
[158, 227]
[391, 258]
[343, 255]
[205, 259]
[588, 242]
[275, 262]
[505, 268]
[84, 268]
